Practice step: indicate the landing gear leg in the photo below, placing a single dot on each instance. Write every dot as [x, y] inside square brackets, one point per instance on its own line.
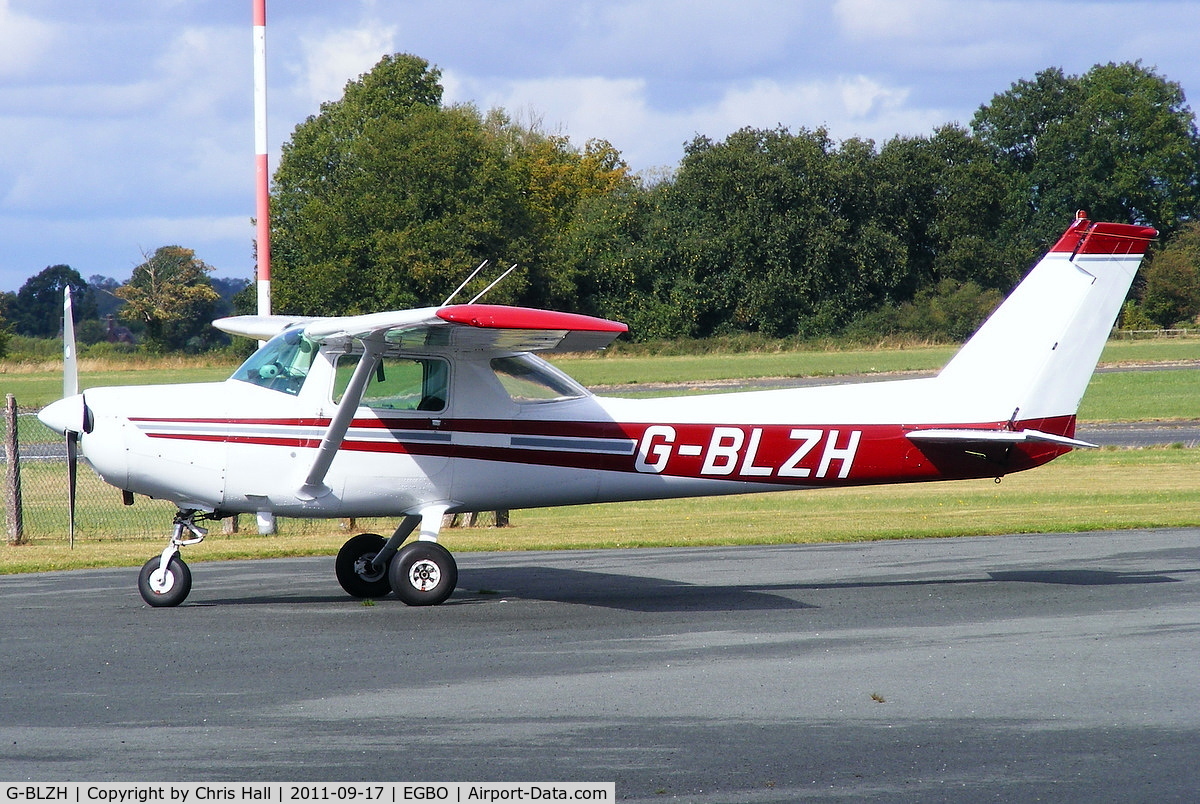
[165, 580]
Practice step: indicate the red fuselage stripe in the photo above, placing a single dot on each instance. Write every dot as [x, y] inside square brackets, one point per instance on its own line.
[802, 455]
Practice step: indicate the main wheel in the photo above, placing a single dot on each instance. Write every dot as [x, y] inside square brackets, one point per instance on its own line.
[355, 570]
[423, 574]
[164, 588]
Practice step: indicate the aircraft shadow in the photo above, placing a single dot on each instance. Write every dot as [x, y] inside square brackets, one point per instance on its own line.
[1085, 577]
[479, 586]
[638, 593]
[613, 590]
[1077, 577]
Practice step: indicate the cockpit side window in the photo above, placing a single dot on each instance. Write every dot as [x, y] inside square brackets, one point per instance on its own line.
[398, 383]
[528, 379]
[281, 364]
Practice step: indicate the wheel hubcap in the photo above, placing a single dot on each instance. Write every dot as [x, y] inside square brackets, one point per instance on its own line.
[424, 575]
[161, 582]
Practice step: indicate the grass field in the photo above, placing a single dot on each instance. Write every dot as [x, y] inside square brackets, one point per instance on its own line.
[1081, 491]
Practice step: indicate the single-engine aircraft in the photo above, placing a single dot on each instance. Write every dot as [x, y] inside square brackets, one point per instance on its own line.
[441, 410]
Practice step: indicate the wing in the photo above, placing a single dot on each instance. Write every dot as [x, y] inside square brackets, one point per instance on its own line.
[474, 327]
[470, 327]
[259, 327]
[467, 327]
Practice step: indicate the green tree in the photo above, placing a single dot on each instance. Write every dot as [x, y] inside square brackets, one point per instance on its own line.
[37, 309]
[944, 196]
[621, 250]
[6, 300]
[171, 296]
[556, 180]
[387, 200]
[1171, 280]
[1118, 141]
[769, 231]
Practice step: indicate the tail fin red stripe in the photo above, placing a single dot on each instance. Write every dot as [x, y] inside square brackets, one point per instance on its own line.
[1085, 237]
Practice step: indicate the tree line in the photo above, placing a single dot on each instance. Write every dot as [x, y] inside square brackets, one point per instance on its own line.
[387, 198]
[166, 305]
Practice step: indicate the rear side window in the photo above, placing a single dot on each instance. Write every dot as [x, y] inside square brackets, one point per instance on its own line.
[528, 379]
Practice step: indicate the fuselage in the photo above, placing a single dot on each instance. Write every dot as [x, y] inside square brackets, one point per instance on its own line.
[485, 430]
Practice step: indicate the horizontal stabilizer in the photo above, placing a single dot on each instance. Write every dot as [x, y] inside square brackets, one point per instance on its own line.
[966, 436]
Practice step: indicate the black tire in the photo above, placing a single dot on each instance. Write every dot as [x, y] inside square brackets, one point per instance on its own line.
[176, 585]
[350, 567]
[423, 574]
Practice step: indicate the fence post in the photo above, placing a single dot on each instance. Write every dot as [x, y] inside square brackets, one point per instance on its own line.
[12, 474]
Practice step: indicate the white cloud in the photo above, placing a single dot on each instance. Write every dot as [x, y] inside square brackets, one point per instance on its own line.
[335, 57]
[884, 19]
[23, 41]
[200, 72]
[618, 110]
[581, 108]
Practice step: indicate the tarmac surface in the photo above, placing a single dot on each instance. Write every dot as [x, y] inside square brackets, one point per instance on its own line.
[1010, 668]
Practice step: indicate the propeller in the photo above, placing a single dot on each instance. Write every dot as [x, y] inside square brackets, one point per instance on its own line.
[70, 415]
[71, 389]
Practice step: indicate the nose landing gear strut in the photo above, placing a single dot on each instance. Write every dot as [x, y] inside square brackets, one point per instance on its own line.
[165, 580]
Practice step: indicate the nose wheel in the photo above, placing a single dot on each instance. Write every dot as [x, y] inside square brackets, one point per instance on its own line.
[167, 586]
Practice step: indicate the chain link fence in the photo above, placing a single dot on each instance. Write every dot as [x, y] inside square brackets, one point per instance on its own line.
[35, 499]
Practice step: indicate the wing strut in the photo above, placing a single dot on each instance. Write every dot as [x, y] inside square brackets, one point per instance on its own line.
[314, 483]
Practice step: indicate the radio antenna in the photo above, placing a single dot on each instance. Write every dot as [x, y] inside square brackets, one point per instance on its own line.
[495, 282]
[464, 283]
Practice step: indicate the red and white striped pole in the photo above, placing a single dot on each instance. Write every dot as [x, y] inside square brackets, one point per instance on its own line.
[263, 199]
[266, 519]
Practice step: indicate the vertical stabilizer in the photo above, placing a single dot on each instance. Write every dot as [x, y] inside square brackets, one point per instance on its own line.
[1033, 358]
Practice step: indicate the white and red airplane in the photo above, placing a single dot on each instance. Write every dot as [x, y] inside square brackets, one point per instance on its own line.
[421, 413]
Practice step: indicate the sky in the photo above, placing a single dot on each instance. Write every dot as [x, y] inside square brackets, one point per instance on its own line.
[129, 125]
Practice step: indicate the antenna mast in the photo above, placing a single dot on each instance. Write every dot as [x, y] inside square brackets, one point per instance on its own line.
[263, 199]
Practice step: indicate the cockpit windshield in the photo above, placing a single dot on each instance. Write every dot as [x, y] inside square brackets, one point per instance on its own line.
[281, 364]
